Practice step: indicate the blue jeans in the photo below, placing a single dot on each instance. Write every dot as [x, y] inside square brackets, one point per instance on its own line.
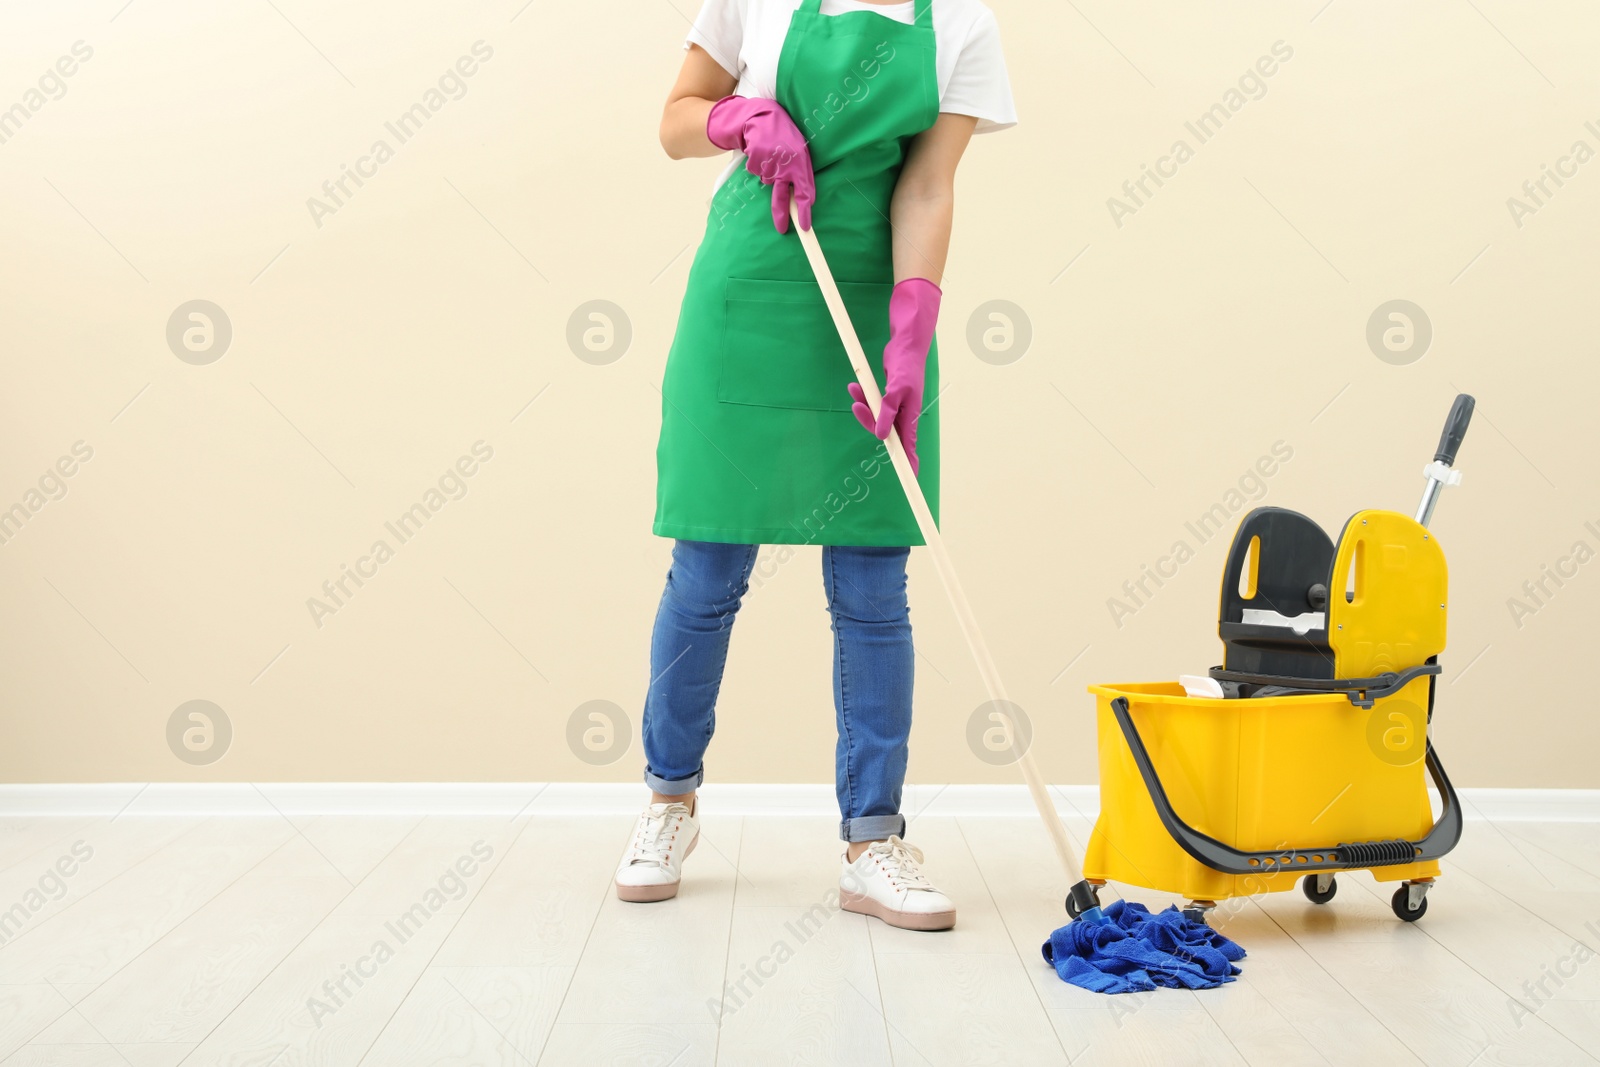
[873, 664]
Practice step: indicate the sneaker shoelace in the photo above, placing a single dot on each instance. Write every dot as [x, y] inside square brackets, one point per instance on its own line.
[899, 860]
[656, 833]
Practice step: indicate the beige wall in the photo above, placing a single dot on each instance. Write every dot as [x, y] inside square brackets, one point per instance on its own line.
[370, 353]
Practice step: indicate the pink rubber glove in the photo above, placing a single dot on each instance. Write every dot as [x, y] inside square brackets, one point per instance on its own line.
[776, 151]
[913, 311]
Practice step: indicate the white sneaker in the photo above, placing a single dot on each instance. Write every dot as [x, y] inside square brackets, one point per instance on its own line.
[885, 881]
[653, 865]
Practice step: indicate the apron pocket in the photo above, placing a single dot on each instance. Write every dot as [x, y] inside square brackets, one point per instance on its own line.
[780, 348]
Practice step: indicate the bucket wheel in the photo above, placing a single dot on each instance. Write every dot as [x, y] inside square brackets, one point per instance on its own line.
[1319, 888]
[1410, 901]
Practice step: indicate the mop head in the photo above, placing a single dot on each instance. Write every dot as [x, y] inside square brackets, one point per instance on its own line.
[1125, 949]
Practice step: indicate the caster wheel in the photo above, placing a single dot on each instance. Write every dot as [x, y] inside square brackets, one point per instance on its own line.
[1308, 885]
[1402, 905]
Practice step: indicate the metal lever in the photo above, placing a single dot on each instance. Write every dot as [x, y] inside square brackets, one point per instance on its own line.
[1440, 472]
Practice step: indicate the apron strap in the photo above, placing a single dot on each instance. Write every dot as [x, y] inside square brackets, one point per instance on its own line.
[924, 11]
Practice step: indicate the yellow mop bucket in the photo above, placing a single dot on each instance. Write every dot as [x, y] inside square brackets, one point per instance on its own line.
[1313, 756]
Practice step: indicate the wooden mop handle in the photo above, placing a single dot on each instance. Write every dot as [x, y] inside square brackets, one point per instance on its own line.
[941, 558]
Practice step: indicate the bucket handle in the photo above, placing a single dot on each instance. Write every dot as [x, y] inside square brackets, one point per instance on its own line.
[1349, 856]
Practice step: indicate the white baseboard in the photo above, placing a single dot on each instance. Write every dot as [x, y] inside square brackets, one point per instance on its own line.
[620, 798]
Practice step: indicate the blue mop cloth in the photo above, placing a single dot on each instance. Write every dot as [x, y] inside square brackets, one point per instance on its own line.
[1130, 950]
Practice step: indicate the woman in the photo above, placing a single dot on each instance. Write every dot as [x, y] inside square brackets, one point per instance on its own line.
[857, 111]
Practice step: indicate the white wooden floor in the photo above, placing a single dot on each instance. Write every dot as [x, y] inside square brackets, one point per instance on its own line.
[184, 940]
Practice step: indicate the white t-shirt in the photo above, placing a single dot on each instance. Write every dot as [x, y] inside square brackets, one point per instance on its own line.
[746, 38]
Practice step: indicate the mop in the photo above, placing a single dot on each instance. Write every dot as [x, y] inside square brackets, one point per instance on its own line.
[1119, 949]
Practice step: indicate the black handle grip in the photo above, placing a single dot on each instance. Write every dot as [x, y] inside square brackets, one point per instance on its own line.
[1455, 428]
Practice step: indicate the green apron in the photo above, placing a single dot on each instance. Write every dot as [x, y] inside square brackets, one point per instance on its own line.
[758, 444]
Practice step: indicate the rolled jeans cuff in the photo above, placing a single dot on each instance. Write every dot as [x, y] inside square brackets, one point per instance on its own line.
[872, 828]
[675, 787]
